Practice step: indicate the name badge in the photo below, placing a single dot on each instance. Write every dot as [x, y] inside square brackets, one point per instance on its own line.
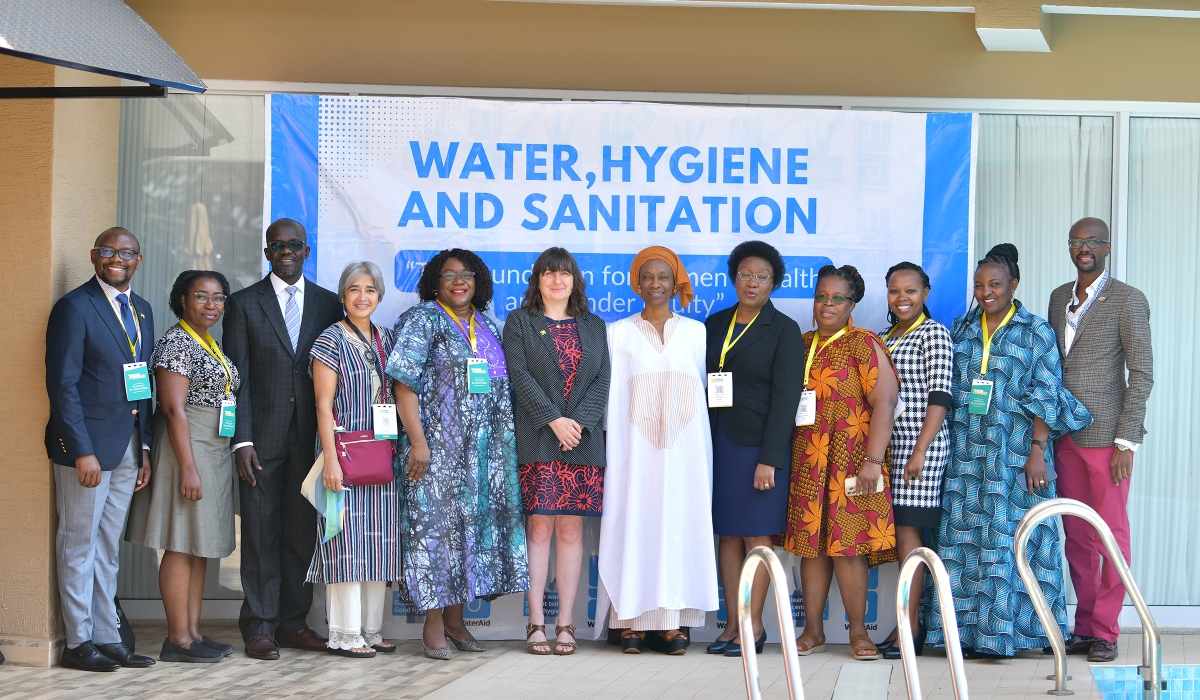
[720, 389]
[137, 381]
[478, 381]
[981, 397]
[228, 418]
[384, 419]
[806, 412]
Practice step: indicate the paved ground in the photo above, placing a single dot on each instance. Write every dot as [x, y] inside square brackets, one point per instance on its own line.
[506, 672]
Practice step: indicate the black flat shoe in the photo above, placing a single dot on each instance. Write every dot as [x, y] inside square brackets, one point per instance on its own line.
[384, 650]
[120, 653]
[887, 644]
[632, 644]
[972, 654]
[735, 649]
[196, 653]
[213, 644]
[719, 646]
[86, 657]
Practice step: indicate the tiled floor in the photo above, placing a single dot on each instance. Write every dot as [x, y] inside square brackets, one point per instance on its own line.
[506, 672]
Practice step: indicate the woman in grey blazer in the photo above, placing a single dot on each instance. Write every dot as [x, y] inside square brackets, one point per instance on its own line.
[558, 364]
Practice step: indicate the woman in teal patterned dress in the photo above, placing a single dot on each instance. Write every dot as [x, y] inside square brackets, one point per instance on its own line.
[462, 529]
[997, 450]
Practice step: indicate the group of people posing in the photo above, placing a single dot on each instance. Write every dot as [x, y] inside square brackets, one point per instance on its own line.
[445, 457]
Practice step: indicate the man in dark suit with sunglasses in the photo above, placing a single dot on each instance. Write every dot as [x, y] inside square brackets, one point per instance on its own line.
[269, 329]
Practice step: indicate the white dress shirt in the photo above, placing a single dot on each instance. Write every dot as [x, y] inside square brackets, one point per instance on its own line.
[281, 294]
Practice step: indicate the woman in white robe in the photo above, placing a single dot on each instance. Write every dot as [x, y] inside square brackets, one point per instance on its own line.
[657, 566]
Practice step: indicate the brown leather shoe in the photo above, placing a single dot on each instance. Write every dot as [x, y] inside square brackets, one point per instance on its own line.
[305, 639]
[1102, 650]
[262, 646]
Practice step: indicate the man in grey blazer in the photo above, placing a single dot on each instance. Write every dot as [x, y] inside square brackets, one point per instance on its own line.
[1103, 329]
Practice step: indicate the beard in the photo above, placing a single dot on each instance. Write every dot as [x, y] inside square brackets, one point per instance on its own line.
[1092, 267]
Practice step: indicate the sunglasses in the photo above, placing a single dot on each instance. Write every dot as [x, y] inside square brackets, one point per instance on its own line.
[836, 299]
[123, 253]
[295, 245]
[1092, 243]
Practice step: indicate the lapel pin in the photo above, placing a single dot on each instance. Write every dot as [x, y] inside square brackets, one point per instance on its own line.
[1101, 298]
[542, 332]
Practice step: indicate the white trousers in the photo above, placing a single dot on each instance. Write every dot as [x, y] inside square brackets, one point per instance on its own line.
[355, 613]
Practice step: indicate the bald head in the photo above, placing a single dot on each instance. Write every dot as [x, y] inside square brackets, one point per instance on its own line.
[116, 256]
[1090, 222]
[1089, 246]
[293, 229]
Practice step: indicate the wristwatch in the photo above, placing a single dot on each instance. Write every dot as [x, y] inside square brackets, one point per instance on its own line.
[1044, 444]
[1123, 448]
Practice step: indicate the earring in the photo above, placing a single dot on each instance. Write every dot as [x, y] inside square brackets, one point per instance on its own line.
[638, 290]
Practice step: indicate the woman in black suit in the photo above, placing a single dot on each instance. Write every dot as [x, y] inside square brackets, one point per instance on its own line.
[752, 423]
[558, 364]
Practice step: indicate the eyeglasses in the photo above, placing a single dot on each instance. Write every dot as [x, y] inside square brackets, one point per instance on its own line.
[123, 253]
[465, 276]
[295, 245]
[761, 278]
[1092, 243]
[836, 299]
[202, 298]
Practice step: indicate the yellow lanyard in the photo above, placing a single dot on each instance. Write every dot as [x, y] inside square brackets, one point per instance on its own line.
[987, 339]
[471, 335]
[727, 346]
[812, 349]
[133, 309]
[211, 348]
[892, 346]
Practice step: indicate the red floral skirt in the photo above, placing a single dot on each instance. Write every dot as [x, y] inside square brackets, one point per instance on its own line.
[557, 488]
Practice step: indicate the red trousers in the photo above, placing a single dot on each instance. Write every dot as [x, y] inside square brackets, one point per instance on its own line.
[1085, 474]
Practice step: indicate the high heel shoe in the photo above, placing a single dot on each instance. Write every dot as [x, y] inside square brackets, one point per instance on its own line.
[892, 651]
[438, 654]
[735, 649]
[719, 646]
[464, 646]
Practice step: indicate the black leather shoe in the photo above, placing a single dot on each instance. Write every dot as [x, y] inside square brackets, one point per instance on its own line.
[120, 653]
[719, 646]
[225, 649]
[86, 657]
[194, 653]
[735, 649]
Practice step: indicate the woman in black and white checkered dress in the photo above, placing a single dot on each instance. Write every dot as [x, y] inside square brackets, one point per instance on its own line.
[923, 353]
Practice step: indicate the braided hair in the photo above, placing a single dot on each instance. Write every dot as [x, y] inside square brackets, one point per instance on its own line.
[850, 275]
[1003, 254]
[910, 267]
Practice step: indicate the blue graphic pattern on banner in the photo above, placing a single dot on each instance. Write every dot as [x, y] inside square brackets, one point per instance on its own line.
[947, 212]
[294, 166]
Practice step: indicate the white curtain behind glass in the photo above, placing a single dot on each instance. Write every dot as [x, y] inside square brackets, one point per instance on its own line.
[1163, 254]
[1037, 175]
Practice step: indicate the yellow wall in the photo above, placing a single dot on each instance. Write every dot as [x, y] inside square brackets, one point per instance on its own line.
[58, 191]
[678, 49]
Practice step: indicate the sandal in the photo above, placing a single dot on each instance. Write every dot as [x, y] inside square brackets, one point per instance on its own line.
[670, 642]
[807, 644]
[570, 646]
[631, 641]
[535, 648]
[367, 653]
[862, 648]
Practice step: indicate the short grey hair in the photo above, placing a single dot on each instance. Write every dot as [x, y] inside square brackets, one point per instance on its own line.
[354, 270]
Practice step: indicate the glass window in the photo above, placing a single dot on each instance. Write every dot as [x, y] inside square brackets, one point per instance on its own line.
[191, 189]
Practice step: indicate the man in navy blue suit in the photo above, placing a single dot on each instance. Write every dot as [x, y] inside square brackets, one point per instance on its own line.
[98, 342]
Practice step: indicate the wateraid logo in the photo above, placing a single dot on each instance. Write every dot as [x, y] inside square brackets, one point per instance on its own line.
[477, 612]
[593, 586]
[872, 615]
[406, 610]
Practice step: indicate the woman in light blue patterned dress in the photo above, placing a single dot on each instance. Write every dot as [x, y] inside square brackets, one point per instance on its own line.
[1002, 466]
[460, 510]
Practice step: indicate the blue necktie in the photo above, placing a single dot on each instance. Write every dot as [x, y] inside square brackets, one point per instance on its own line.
[291, 315]
[129, 321]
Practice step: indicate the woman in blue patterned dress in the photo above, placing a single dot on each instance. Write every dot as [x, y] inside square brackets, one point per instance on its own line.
[1002, 465]
[461, 519]
[356, 563]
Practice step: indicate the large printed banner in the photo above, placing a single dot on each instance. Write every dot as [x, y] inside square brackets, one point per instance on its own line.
[394, 180]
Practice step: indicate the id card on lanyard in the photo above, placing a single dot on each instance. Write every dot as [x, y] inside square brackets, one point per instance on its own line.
[229, 405]
[137, 381]
[478, 379]
[981, 389]
[720, 383]
[228, 417]
[806, 412]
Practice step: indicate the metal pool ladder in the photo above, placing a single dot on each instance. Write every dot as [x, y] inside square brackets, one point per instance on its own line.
[1151, 669]
[941, 581]
[763, 556]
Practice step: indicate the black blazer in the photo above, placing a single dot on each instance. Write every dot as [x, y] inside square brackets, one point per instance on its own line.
[537, 382]
[768, 376]
[85, 348]
[275, 381]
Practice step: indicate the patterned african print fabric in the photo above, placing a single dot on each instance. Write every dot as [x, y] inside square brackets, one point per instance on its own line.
[821, 517]
[558, 488]
[368, 547]
[984, 499]
[463, 531]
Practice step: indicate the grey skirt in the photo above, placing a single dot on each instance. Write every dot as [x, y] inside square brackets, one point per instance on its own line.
[161, 518]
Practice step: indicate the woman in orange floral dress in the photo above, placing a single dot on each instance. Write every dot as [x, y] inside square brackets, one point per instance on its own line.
[845, 434]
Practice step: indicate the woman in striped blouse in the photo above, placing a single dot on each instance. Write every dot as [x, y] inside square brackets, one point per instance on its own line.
[355, 564]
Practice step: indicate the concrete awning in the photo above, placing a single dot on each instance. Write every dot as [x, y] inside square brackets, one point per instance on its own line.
[100, 36]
